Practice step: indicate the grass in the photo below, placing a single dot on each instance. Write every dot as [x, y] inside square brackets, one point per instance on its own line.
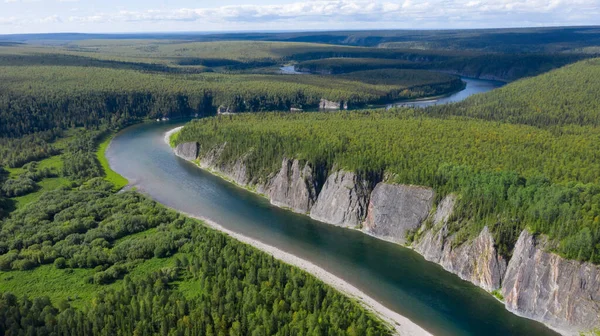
[46, 184]
[46, 280]
[173, 139]
[498, 295]
[54, 163]
[110, 175]
[72, 284]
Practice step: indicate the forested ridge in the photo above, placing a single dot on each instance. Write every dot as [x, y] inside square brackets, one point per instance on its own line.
[78, 258]
[524, 167]
[40, 98]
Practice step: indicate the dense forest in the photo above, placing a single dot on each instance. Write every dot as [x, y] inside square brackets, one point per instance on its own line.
[128, 265]
[233, 288]
[39, 98]
[76, 257]
[521, 166]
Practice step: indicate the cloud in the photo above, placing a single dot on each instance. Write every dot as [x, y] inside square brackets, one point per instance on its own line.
[324, 13]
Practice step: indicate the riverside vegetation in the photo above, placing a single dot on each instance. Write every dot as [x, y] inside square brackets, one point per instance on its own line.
[531, 163]
[119, 263]
[78, 258]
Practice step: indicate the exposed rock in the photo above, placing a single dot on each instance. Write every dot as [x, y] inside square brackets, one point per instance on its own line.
[292, 187]
[236, 172]
[394, 210]
[211, 157]
[431, 245]
[476, 261]
[325, 104]
[444, 210]
[342, 201]
[543, 286]
[187, 150]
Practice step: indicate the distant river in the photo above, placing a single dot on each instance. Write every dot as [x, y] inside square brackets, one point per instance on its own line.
[393, 275]
[473, 86]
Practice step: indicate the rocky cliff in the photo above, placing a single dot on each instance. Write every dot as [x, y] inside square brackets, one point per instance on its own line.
[395, 210]
[293, 187]
[562, 293]
[325, 104]
[187, 150]
[476, 261]
[342, 201]
[543, 286]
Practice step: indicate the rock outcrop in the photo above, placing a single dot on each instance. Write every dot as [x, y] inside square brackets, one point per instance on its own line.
[293, 187]
[342, 201]
[325, 104]
[543, 286]
[187, 150]
[537, 284]
[476, 261]
[395, 210]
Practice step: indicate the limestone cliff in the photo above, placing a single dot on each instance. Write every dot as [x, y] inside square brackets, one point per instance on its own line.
[293, 187]
[342, 201]
[537, 284]
[543, 286]
[395, 210]
[187, 150]
[325, 104]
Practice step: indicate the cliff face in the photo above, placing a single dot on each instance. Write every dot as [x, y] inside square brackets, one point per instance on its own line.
[342, 201]
[476, 261]
[187, 150]
[325, 104]
[545, 287]
[395, 210]
[536, 284]
[293, 187]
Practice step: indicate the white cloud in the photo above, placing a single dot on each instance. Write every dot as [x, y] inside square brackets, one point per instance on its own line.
[348, 13]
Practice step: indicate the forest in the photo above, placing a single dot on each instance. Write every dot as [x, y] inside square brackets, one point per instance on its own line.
[127, 265]
[77, 257]
[514, 165]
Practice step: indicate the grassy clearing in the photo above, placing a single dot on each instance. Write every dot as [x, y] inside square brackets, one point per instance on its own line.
[110, 175]
[46, 184]
[46, 280]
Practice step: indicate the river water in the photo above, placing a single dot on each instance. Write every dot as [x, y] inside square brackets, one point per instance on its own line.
[473, 86]
[393, 275]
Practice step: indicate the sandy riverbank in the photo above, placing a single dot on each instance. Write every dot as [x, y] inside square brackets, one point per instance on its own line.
[402, 325]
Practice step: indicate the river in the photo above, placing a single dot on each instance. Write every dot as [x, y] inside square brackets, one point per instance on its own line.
[398, 277]
[473, 86]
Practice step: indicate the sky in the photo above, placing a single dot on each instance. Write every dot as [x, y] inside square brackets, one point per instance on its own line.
[113, 16]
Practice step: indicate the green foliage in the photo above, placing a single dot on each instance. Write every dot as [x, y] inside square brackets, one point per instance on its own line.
[498, 294]
[34, 147]
[47, 97]
[509, 176]
[344, 65]
[110, 175]
[238, 289]
[567, 96]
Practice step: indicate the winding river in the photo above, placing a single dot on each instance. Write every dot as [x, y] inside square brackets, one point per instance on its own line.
[396, 276]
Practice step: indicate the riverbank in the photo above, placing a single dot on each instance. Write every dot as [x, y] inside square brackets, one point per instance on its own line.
[111, 176]
[233, 178]
[401, 324]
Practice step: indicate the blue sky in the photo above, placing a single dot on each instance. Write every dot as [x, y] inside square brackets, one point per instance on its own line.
[39, 16]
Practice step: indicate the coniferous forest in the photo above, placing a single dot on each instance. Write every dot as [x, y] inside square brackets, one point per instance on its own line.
[80, 255]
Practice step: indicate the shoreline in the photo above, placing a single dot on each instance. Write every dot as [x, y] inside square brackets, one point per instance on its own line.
[400, 324]
[562, 332]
